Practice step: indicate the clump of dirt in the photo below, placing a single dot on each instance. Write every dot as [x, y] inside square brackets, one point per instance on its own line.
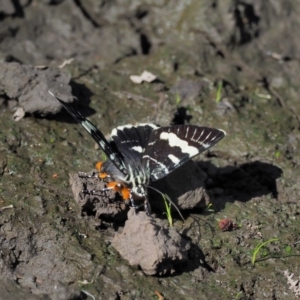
[93, 198]
[10, 290]
[27, 256]
[185, 186]
[28, 86]
[145, 242]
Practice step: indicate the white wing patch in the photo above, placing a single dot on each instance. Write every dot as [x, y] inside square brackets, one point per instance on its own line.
[138, 149]
[205, 145]
[128, 126]
[174, 159]
[175, 141]
[88, 126]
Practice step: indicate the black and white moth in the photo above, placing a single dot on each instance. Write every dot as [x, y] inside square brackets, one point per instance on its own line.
[141, 154]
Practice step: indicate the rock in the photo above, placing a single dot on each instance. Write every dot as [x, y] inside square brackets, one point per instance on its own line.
[146, 243]
[30, 85]
[106, 205]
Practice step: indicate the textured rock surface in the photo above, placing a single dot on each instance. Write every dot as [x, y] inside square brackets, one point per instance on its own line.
[146, 243]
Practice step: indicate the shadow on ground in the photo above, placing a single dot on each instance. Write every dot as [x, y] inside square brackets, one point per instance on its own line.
[240, 183]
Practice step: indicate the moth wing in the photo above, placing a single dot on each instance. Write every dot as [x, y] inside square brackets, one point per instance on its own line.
[170, 147]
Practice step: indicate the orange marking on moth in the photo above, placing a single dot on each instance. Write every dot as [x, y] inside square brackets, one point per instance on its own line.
[125, 193]
[120, 188]
[113, 185]
[102, 175]
[99, 165]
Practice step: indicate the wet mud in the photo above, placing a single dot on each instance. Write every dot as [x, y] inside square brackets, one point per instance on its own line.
[232, 65]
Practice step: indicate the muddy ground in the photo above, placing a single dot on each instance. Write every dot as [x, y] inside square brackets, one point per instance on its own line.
[226, 64]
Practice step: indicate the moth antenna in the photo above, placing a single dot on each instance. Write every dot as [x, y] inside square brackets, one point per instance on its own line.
[169, 199]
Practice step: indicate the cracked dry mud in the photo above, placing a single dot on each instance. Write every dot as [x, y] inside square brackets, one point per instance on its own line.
[226, 64]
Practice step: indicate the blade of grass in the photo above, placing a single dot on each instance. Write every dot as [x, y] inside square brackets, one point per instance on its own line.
[258, 247]
[219, 91]
[168, 210]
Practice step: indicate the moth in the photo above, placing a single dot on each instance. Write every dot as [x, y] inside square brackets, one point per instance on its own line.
[141, 154]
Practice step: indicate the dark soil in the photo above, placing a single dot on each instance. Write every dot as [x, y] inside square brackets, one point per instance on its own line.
[232, 65]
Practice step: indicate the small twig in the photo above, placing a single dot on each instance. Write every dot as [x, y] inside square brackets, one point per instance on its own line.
[159, 295]
[66, 62]
[6, 207]
[88, 294]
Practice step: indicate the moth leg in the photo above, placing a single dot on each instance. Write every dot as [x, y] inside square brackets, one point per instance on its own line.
[132, 204]
[84, 191]
[90, 192]
[135, 207]
[97, 174]
[147, 207]
[86, 175]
